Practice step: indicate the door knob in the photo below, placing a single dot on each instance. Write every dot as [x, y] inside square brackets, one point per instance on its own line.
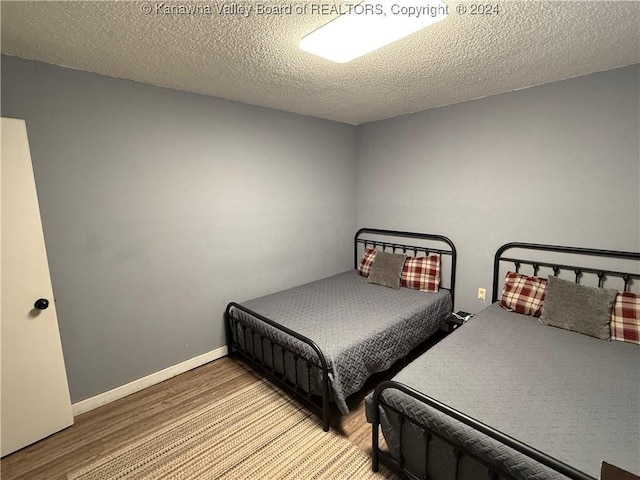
[41, 304]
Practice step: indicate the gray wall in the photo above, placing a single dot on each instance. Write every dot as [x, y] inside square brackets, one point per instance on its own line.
[558, 163]
[159, 207]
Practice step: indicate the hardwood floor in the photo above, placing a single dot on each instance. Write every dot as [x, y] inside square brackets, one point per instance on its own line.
[107, 428]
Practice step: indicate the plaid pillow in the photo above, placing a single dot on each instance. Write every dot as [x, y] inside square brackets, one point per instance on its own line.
[421, 273]
[366, 262]
[523, 294]
[625, 318]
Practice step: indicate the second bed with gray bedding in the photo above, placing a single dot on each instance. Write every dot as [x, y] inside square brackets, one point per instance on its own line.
[571, 396]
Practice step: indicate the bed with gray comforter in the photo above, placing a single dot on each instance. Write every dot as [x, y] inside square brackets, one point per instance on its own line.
[361, 328]
[571, 396]
[321, 341]
[508, 396]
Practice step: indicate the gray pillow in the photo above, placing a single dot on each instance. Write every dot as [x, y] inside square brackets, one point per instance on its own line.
[578, 308]
[387, 269]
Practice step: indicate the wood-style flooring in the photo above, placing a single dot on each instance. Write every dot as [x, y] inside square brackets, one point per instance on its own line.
[107, 428]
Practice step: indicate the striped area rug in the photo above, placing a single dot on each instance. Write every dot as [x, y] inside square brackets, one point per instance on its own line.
[257, 433]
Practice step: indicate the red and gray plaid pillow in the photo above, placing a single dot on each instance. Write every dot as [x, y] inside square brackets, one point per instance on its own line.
[625, 318]
[421, 273]
[418, 273]
[366, 262]
[523, 294]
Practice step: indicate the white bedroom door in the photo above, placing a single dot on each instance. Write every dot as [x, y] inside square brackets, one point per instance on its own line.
[34, 393]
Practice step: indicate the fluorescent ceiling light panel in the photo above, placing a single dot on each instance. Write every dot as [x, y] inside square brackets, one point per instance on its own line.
[370, 25]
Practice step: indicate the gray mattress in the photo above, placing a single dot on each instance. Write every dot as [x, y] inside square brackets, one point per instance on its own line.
[574, 397]
[360, 328]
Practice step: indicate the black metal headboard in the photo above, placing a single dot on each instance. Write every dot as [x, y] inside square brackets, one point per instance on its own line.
[578, 270]
[425, 243]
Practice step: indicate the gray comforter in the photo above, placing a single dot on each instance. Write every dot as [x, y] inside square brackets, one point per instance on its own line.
[360, 328]
[571, 396]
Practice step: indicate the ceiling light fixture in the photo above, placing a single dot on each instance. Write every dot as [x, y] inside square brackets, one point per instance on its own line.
[367, 26]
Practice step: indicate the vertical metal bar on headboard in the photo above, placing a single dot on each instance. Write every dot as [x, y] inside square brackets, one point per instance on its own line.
[561, 249]
[496, 273]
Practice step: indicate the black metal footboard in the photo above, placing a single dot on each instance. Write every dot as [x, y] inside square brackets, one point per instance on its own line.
[234, 326]
[459, 451]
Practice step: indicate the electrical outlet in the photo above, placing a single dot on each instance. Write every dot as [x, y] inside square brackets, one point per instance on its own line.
[482, 293]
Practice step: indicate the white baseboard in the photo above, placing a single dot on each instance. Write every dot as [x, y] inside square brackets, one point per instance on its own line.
[144, 382]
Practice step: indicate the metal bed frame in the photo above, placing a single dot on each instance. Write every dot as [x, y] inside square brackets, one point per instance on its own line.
[459, 451]
[364, 237]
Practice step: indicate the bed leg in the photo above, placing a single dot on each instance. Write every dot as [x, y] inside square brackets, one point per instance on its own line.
[375, 457]
[375, 431]
[325, 420]
[325, 400]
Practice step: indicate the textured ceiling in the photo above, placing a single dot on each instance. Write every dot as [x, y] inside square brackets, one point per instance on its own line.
[255, 59]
